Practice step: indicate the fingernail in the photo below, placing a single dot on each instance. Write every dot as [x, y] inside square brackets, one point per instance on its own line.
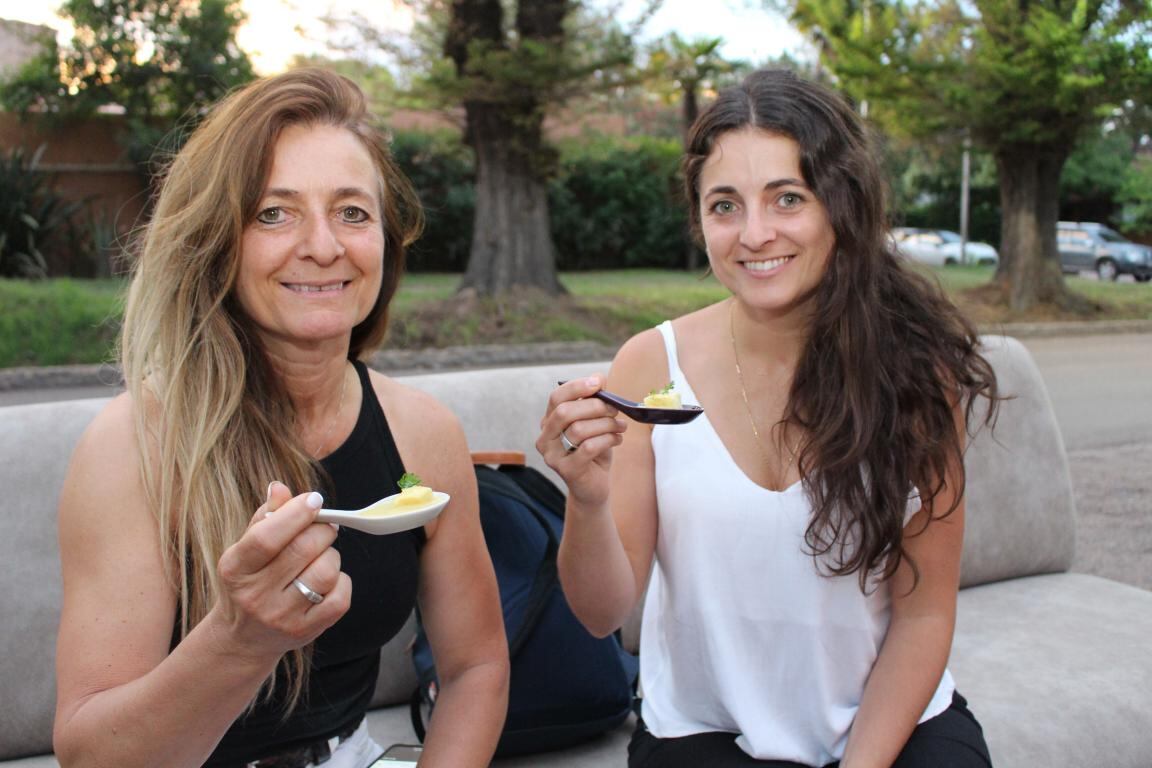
[268, 494]
[592, 382]
[314, 500]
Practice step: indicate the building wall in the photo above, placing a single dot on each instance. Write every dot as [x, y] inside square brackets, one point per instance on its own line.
[89, 166]
[19, 42]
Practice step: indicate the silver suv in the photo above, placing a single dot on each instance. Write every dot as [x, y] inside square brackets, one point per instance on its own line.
[1087, 245]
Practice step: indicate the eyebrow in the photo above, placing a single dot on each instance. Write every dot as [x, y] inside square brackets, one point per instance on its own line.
[342, 192]
[725, 189]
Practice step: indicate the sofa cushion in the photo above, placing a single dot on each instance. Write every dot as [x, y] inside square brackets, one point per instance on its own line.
[1056, 669]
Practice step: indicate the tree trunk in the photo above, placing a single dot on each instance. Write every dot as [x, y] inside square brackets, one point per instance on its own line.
[511, 233]
[689, 111]
[1029, 271]
[511, 238]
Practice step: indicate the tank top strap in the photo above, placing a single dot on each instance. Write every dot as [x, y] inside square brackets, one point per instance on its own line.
[669, 337]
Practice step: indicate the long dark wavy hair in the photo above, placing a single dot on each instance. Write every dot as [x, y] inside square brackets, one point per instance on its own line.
[888, 354]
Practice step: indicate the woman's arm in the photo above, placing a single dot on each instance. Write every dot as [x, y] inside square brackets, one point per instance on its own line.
[122, 698]
[610, 521]
[916, 649]
[459, 598]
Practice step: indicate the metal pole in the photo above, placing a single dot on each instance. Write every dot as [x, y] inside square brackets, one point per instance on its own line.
[965, 172]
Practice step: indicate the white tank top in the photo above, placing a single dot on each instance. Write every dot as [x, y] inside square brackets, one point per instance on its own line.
[741, 632]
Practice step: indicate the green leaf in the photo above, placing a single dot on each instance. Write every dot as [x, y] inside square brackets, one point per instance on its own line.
[408, 480]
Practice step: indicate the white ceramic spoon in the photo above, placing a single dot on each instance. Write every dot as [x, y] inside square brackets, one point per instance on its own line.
[372, 520]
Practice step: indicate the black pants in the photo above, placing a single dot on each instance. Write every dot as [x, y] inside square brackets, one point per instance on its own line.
[952, 739]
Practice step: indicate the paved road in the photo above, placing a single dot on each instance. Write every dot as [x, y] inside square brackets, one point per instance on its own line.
[1101, 387]
[1101, 390]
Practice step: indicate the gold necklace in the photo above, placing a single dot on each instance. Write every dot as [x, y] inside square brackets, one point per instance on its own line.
[748, 406]
[336, 418]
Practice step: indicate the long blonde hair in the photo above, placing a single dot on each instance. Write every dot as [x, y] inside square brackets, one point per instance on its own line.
[214, 423]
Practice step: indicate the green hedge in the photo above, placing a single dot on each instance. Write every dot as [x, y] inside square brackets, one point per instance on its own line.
[615, 202]
[441, 169]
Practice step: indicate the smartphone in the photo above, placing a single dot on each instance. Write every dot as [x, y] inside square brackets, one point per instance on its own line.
[399, 756]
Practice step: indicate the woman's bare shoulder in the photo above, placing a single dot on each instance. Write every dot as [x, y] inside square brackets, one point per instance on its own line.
[111, 435]
[424, 428]
[641, 363]
[104, 481]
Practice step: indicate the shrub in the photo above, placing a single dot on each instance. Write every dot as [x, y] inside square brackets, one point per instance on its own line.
[31, 214]
[617, 203]
[442, 171]
[614, 202]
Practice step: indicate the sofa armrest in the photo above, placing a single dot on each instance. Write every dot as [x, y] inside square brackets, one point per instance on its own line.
[1020, 514]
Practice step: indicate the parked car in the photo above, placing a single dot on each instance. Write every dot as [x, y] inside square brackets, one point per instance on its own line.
[940, 247]
[1085, 245]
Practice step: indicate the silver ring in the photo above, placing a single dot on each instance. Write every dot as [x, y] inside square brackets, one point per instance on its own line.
[313, 596]
[569, 446]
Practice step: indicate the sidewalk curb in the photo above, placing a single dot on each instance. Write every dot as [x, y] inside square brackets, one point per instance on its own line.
[407, 361]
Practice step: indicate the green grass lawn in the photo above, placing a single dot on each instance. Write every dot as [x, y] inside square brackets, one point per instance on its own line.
[62, 321]
[57, 322]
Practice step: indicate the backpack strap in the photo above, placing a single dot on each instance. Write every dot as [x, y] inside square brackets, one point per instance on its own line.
[546, 575]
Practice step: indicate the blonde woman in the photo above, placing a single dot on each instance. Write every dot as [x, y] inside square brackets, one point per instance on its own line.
[208, 619]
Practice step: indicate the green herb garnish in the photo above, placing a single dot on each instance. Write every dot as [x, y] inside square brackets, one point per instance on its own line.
[408, 480]
[663, 390]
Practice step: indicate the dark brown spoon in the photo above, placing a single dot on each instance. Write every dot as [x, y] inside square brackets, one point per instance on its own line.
[647, 415]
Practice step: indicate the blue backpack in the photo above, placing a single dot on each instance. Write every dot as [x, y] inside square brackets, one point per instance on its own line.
[566, 685]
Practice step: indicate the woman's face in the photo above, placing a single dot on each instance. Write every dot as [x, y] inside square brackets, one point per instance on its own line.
[311, 261]
[768, 236]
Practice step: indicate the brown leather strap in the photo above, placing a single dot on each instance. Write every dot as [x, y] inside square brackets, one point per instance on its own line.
[516, 458]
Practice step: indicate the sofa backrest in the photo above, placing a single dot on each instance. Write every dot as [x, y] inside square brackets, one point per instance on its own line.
[36, 442]
[1020, 515]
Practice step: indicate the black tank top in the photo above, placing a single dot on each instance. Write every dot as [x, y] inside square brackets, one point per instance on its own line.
[384, 572]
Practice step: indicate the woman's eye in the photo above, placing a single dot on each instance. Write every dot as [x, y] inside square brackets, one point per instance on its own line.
[353, 214]
[723, 207]
[790, 200]
[270, 215]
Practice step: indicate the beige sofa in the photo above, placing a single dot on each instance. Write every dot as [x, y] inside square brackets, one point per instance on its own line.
[1055, 664]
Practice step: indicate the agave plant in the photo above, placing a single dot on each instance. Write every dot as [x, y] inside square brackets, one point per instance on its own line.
[31, 213]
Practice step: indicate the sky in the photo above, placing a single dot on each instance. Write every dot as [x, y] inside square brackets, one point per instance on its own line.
[278, 29]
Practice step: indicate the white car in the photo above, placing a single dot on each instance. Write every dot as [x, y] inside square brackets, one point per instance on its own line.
[940, 247]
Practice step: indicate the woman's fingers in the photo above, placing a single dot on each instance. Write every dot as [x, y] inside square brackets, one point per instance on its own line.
[320, 576]
[282, 580]
[273, 528]
[590, 434]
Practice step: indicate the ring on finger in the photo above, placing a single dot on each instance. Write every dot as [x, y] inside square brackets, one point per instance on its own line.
[313, 596]
[569, 446]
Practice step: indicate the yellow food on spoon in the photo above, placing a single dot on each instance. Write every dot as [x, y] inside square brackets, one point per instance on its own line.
[411, 495]
[414, 496]
[662, 398]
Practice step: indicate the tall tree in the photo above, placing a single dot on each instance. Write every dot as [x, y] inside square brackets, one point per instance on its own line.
[507, 65]
[152, 58]
[681, 68]
[1024, 79]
